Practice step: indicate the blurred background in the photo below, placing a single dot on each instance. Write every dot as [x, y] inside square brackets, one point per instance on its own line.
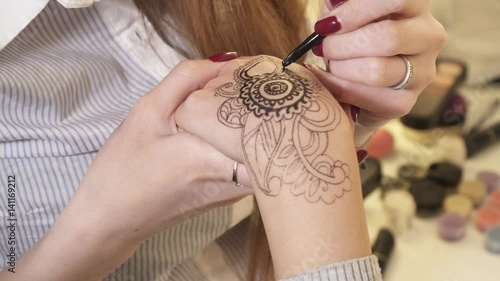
[431, 184]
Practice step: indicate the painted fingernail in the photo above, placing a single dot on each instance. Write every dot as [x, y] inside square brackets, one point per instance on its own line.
[223, 57]
[327, 26]
[362, 155]
[336, 3]
[318, 49]
[354, 113]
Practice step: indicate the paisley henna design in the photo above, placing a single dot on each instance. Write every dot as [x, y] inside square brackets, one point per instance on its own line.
[286, 128]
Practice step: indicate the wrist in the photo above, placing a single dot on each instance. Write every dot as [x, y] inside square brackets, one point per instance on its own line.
[81, 245]
[318, 232]
[316, 235]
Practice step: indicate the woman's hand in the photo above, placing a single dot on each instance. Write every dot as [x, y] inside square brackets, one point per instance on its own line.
[364, 39]
[147, 177]
[296, 143]
[278, 123]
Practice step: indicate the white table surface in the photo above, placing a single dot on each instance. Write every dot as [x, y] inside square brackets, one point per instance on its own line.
[419, 254]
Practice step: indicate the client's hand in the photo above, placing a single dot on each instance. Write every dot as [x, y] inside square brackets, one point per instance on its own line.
[278, 123]
[297, 145]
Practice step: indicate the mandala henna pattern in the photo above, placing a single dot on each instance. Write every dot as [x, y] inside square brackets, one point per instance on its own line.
[286, 132]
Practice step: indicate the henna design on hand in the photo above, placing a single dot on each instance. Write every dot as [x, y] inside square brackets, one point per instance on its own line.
[286, 128]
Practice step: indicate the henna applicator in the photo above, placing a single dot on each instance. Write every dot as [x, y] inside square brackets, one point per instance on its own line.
[322, 28]
[313, 40]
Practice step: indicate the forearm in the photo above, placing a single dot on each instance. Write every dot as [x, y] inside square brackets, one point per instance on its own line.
[79, 246]
[306, 235]
[296, 143]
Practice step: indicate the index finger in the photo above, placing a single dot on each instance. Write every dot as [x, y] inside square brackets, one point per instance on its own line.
[354, 14]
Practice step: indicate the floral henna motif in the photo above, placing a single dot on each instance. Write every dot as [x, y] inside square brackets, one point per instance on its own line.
[287, 128]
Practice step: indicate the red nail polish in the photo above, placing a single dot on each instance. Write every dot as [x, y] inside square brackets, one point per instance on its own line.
[223, 57]
[318, 49]
[327, 26]
[336, 3]
[362, 155]
[354, 113]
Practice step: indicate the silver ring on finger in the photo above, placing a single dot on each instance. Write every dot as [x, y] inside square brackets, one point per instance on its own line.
[235, 175]
[408, 75]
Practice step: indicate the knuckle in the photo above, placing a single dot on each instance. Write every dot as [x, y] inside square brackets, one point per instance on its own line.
[391, 38]
[437, 33]
[377, 71]
[429, 75]
[186, 68]
[393, 6]
[344, 48]
[441, 36]
[233, 64]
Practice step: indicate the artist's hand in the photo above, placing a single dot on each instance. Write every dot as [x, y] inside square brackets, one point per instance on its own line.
[296, 143]
[364, 39]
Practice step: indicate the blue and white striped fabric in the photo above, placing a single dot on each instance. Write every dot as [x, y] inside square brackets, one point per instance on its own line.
[65, 85]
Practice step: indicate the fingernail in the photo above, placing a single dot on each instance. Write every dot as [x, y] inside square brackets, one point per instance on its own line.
[223, 57]
[336, 3]
[318, 50]
[327, 26]
[354, 113]
[362, 155]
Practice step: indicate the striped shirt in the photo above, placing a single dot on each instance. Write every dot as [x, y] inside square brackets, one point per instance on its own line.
[66, 82]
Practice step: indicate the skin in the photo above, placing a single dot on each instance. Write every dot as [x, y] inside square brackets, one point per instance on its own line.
[107, 214]
[133, 190]
[300, 156]
[109, 203]
[362, 57]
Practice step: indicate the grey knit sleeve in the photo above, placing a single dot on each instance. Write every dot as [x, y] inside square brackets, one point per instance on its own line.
[362, 269]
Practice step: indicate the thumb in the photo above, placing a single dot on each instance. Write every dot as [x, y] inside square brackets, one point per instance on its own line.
[185, 78]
